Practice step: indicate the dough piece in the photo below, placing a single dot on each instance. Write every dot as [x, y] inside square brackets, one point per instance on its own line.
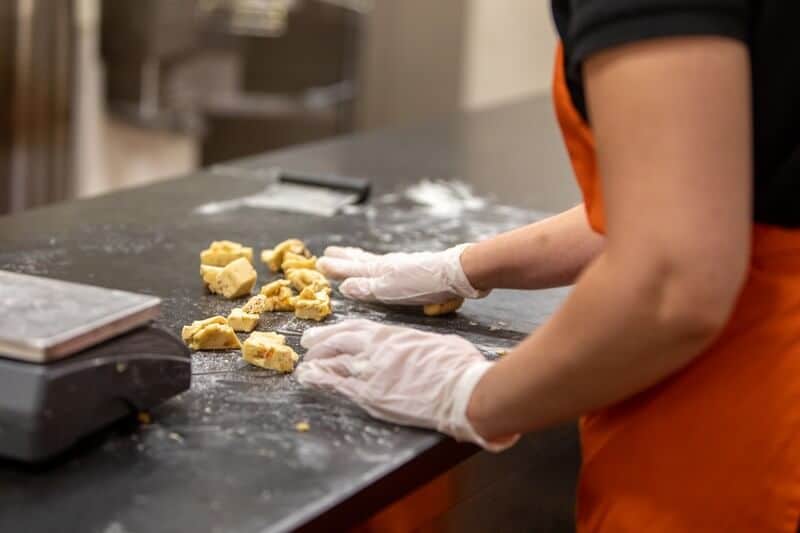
[279, 295]
[257, 304]
[234, 280]
[292, 261]
[269, 350]
[310, 305]
[445, 308]
[274, 257]
[241, 321]
[210, 274]
[220, 253]
[305, 277]
[210, 334]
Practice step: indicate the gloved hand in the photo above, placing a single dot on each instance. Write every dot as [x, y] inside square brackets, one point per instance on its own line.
[399, 278]
[399, 374]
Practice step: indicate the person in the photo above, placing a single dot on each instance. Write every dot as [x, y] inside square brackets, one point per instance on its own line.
[679, 344]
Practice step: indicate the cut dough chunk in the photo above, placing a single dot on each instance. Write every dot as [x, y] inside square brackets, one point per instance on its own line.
[292, 261]
[220, 253]
[305, 277]
[279, 295]
[310, 305]
[257, 304]
[210, 334]
[188, 331]
[445, 308]
[274, 257]
[210, 274]
[232, 281]
[269, 350]
[240, 320]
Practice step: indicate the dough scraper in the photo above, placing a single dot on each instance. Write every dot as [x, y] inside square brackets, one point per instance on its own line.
[74, 358]
[320, 194]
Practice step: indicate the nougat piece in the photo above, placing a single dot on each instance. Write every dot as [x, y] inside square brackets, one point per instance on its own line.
[292, 261]
[210, 274]
[279, 294]
[234, 280]
[257, 304]
[445, 308]
[221, 253]
[304, 277]
[269, 350]
[241, 320]
[274, 257]
[188, 331]
[310, 305]
[210, 334]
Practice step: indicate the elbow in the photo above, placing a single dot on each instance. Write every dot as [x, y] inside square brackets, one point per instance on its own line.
[692, 304]
[690, 316]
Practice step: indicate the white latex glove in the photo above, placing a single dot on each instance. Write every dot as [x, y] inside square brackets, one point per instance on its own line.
[399, 278]
[399, 374]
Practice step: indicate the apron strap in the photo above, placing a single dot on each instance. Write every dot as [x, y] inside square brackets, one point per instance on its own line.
[579, 142]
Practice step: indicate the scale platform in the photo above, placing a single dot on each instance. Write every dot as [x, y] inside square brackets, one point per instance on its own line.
[76, 358]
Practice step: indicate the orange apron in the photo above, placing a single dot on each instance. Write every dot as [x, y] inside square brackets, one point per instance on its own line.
[715, 447]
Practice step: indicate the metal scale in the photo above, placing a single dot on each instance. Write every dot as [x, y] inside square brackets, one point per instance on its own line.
[74, 358]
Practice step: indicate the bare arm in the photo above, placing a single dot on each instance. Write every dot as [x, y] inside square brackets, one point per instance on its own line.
[549, 253]
[672, 124]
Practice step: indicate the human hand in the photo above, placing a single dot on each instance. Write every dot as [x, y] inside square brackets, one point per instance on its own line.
[399, 374]
[399, 278]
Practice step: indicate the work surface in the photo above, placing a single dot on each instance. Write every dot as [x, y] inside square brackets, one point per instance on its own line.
[225, 456]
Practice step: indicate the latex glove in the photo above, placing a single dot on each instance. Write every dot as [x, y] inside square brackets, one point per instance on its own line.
[399, 278]
[399, 374]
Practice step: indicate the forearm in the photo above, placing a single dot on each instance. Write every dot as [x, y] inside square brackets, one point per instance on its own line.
[614, 337]
[548, 253]
[676, 175]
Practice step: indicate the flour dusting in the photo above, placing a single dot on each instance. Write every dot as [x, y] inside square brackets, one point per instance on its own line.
[444, 198]
[435, 214]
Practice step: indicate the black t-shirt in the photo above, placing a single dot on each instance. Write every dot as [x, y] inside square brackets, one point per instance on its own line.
[770, 29]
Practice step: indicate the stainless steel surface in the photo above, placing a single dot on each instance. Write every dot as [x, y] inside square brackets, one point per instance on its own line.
[39, 169]
[242, 75]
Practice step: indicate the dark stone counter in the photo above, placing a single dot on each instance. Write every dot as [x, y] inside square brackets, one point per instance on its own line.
[225, 456]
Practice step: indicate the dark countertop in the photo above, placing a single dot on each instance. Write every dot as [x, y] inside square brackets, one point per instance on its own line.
[225, 456]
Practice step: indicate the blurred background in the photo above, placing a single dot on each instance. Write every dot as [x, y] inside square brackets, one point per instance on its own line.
[101, 94]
